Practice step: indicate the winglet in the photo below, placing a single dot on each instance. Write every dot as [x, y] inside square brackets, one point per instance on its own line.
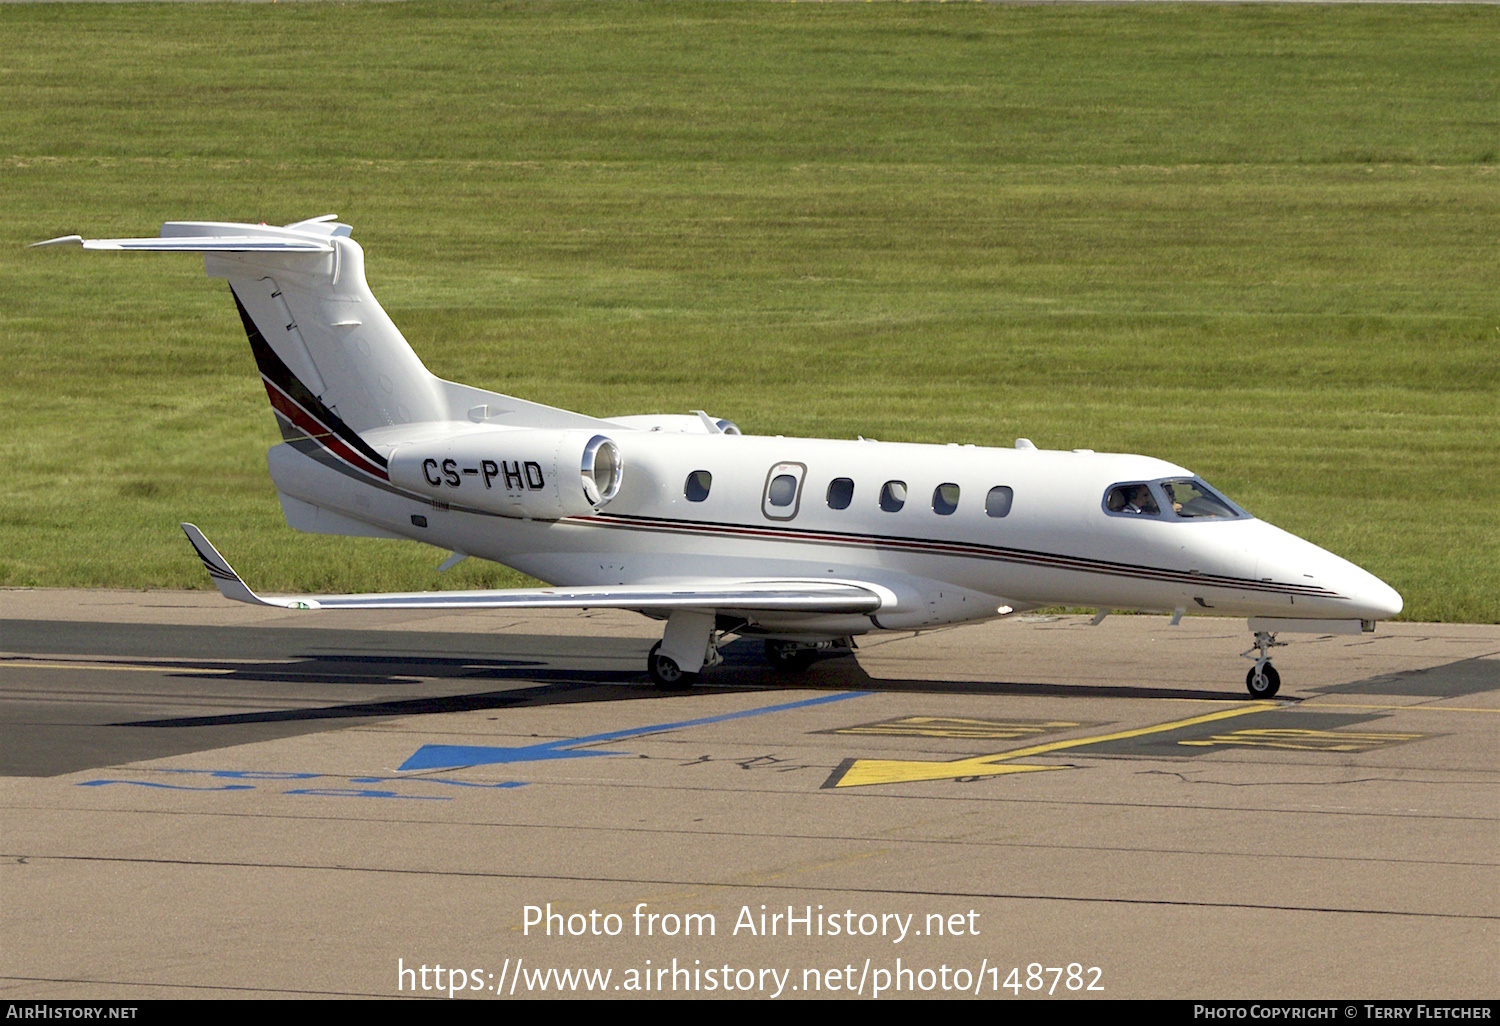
[229, 583]
[61, 240]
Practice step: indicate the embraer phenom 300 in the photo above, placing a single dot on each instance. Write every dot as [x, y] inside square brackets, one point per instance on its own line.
[805, 542]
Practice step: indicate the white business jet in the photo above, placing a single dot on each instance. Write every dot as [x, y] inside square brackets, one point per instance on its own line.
[804, 542]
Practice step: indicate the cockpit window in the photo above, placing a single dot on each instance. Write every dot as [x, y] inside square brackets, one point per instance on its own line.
[1132, 499]
[1192, 498]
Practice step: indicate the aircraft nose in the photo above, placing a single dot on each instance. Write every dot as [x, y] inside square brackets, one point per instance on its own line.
[1365, 595]
[1362, 595]
[1375, 599]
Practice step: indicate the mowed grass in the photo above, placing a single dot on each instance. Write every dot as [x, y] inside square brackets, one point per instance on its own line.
[1259, 241]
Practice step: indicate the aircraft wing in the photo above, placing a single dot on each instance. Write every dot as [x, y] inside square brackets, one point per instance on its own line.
[784, 594]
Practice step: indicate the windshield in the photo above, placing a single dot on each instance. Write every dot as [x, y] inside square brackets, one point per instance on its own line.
[1193, 498]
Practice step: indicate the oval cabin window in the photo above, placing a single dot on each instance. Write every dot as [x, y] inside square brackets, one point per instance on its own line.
[893, 496]
[945, 499]
[840, 493]
[783, 490]
[698, 484]
[997, 502]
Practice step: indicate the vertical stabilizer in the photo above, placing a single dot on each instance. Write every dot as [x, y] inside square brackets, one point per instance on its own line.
[316, 313]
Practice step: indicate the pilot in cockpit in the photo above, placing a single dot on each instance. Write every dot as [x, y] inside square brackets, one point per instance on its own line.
[1132, 498]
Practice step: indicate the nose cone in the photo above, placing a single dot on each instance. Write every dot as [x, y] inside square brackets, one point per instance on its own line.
[1371, 597]
[1361, 595]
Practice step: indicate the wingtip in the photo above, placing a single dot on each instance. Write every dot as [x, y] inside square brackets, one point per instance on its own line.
[229, 583]
[225, 579]
[61, 240]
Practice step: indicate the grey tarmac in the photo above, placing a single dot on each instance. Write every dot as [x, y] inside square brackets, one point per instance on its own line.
[204, 799]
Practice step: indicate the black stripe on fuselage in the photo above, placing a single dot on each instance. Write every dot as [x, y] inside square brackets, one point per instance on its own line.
[971, 550]
[616, 521]
[314, 449]
[275, 370]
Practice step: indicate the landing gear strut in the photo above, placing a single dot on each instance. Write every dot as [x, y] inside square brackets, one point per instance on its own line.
[1262, 681]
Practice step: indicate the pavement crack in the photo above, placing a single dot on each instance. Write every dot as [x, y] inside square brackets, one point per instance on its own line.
[1300, 783]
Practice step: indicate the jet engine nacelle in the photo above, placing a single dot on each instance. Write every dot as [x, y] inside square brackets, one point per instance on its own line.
[539, 475]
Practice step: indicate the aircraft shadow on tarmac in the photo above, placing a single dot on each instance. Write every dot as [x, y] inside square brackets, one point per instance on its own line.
[132, 692]
[743, 669]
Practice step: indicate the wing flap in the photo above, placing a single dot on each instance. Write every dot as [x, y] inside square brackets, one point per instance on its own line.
[779, 595]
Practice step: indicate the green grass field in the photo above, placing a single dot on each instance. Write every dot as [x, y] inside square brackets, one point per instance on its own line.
[1260, 241]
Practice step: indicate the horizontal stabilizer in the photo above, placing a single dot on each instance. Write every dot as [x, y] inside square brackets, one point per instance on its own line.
[199, 244]
[751, 595]
[314, 235]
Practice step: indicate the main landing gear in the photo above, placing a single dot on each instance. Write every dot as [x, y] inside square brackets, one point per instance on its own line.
[1262, 681]
[690, 643]
[665, 673]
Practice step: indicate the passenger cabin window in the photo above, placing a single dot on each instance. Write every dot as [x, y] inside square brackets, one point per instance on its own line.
[840, 493]
[997, 502]
[945, 499]
[698, 484]
[783, 491]
[893, 496]
[1132, 500]
[1193, 498]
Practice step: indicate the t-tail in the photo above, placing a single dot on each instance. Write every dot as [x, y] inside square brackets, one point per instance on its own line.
[344, 383]
[334, 364]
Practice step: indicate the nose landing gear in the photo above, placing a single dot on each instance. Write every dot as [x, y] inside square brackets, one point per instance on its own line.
[1262, 681]
[789, 656]
[792, 657]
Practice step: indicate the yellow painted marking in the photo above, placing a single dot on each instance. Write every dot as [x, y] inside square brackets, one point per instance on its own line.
[863, 772]
[1399, 708]
[898, 771]
[959, 726]
[1304, 740]
[125, 667]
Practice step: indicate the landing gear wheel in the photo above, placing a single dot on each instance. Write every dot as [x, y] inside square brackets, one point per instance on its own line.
[1263, 682]
[789, 657]
[665, 673]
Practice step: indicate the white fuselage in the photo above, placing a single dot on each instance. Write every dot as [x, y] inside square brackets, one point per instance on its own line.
[1056, 545]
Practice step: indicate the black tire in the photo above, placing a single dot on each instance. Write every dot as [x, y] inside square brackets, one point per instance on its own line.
[1266, 686]
[789, 657]
[665, 673]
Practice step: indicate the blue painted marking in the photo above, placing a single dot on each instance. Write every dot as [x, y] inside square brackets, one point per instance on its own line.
[437, 780]
[249, 774]
[354, 792]
[449, 756]
[168, 787]
[289, 775]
